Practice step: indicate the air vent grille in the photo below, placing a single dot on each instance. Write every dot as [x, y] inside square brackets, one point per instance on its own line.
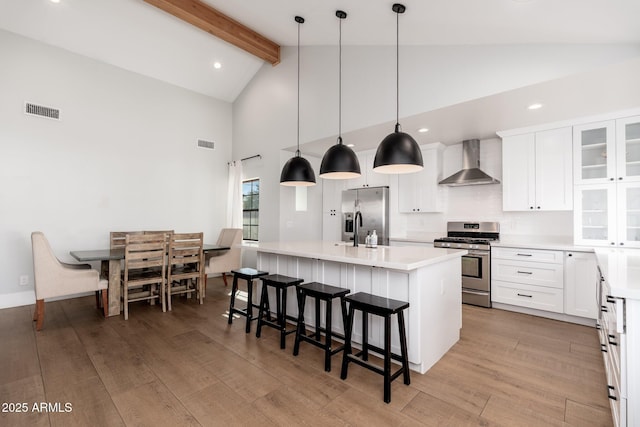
[205, 144]
[41, 111]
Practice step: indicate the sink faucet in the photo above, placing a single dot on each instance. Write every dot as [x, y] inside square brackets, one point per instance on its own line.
[356, 226]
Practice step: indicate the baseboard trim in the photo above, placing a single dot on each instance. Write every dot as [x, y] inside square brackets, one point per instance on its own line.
[17, 299]
[548, 314]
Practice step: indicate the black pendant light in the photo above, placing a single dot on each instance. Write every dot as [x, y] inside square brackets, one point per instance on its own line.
[340, 162]
[398, 152]
[297, 172]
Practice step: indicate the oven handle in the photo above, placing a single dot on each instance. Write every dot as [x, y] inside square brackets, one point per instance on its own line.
[469, 291]
[478, 253]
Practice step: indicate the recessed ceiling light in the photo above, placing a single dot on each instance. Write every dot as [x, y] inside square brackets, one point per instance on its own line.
[217, 65]
[423, 130]
[350, 145]
[55, 1]
[534, 106]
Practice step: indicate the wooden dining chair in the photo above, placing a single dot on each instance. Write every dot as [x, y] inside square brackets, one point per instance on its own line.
[143, 278]
[185, 271]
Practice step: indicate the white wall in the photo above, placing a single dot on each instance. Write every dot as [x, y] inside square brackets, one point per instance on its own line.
[124, 156]
[264, 115]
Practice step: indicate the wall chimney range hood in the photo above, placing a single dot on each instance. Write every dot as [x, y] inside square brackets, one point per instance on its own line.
[470, 173]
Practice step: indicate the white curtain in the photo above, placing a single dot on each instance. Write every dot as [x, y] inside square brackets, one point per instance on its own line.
[234, 195]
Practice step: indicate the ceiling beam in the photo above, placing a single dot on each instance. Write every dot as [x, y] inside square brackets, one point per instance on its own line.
[214, 22]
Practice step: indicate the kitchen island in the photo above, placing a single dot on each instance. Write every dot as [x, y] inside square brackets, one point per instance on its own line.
[429, 279]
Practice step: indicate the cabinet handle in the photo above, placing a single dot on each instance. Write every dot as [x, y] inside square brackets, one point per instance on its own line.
[538, 207]
[598, 327]
[613, 243]
[610, 179]
[612, 339]
[603, 309]
[620, 178]
[611, 299]
[525, 272]
[603, 348]
[524, 254]
[621, 243]
[609, 395]
[530, 207]
[523, 295]
[570, 255]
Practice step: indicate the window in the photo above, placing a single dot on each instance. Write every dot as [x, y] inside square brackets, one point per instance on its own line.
[250, 208]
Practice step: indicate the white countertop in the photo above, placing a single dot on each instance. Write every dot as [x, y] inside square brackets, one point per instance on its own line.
[398, 258]
[557, 243]
[419, 237]
[621, 269]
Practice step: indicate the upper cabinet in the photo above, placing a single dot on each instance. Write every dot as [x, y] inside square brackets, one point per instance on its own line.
[607, 214]
[420, 192]
[369, 178]
[536, 171]
[607, 151]
[607, 174]
[628, 149]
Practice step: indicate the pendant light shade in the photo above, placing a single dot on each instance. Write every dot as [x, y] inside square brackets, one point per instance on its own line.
[398, 152]
[340, 162]
[297, 172]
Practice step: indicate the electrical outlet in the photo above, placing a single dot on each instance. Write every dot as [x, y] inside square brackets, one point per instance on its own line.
[24, 280]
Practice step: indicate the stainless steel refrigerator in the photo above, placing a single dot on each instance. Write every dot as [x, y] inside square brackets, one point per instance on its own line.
[373, 205]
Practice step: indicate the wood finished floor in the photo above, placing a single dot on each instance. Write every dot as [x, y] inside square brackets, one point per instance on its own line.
[188, 367]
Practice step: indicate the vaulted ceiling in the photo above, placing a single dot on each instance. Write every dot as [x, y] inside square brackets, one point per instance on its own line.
[139, 37]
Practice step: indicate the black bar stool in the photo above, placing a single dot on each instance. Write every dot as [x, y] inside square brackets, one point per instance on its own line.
[281, 284]
[383, 307]
[248, 274]
[326, 293]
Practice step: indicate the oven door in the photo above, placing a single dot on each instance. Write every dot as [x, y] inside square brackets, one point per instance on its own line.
[475, 271]
[476, 285]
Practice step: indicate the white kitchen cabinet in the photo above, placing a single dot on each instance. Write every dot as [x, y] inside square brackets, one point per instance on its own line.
[607, 214]
[537, 171]
[594, 152]
[368, 178]
[607, 151]
[419, 191]
[332, 208]
[528, 278]
[580, 284]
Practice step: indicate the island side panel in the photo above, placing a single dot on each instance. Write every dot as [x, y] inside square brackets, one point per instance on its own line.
[438, 322]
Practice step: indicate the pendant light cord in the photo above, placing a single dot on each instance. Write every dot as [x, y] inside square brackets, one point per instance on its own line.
[340, 84]
[397, 72]
[298, 131]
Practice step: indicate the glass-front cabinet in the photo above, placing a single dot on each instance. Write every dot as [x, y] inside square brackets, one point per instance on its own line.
[594, 152]
[595, 214]
[628, 149]
[607, 151]
[628, 195]
[607, 214]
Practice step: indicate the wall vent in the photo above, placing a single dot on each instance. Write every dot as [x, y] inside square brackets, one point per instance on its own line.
[41, 111]
[205, 144]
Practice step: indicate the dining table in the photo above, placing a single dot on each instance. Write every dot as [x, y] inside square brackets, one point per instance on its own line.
[111, 260]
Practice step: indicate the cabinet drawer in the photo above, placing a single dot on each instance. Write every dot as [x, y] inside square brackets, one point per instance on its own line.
[531, 255]
[530, 273]
[538, 297]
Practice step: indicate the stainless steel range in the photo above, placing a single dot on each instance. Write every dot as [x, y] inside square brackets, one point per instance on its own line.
[475, 237]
